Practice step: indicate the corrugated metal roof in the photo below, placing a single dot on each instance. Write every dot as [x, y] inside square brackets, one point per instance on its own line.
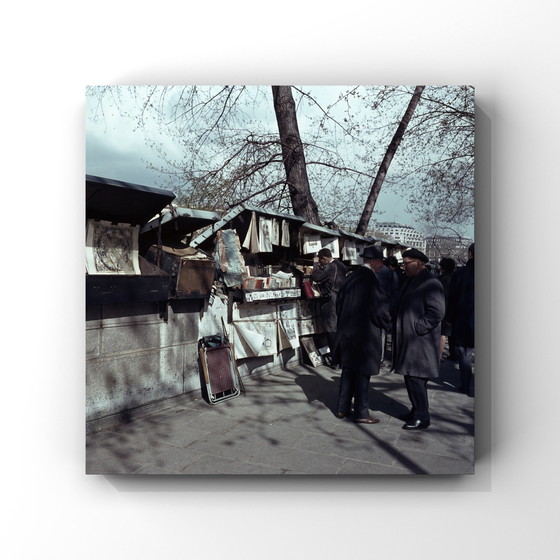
[182, 221]
[272, 213]
[365, 238]
[236, 212]
[320, 229]
[119, 201]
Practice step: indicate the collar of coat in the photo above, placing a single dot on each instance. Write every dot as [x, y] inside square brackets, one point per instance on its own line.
[420, 277]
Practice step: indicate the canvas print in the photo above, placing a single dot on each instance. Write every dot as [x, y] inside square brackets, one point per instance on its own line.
[111, 249]
[337, 336]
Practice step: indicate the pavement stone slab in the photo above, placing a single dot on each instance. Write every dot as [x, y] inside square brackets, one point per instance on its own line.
[112, 457]
[345, 429]
[160, 471]
[107, 465]
[210, 422]
[430, 463]
[284, 424]
[212, 464]
[353, 467]
[374, 450]
[288, 459]
[298, 461]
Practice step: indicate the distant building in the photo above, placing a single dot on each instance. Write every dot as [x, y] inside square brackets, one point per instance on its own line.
[455, 247]
[405, 235]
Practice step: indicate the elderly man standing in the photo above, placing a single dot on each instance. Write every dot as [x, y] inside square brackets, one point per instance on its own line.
[363, 313]
[416, 335]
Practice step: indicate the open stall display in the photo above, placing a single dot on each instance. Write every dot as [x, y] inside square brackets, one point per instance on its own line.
[255, 252]
[266, 232]
[264, 330]
[230, 264]
[257, 283]
[278, 281]
[164, 243]
[269, 237]
[192, 272]
[260, 231]
[115, 271]
[352, 246]
[272, 284]
[278, 251]
[264, 261]
[312, 239]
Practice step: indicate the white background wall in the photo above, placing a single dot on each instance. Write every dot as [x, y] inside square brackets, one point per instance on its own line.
[508, 50]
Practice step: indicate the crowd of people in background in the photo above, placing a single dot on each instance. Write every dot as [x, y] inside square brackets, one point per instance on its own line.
[423, 306]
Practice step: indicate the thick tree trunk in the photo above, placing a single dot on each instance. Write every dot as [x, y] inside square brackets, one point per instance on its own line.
[382, 172]
[292, 153]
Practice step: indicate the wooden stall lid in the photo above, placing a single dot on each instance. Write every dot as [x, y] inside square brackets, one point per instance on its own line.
[196, 276]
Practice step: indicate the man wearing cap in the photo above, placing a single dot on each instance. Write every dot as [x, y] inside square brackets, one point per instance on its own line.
[363, 312]
[416, 335]
[328, 274]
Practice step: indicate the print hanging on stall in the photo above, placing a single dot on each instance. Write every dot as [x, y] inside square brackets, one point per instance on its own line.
[111, 248]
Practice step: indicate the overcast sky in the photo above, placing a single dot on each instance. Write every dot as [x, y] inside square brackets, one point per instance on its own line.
[116, 149]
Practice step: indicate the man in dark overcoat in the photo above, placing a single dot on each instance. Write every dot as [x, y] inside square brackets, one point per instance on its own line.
[390, 283]
[460, 315]
[416, 335]
[363, 312]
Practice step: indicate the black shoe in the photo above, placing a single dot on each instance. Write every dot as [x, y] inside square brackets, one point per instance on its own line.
[416, 425]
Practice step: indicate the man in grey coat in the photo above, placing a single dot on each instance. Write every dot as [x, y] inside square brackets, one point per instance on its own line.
[416, 335]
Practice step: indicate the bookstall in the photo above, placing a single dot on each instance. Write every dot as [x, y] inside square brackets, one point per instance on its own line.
[258, 274]
[164, 241]
[161, 278]
[263, 262]
[115, 270]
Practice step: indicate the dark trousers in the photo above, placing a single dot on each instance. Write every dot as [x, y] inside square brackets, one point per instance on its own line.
[331, 338]
[417, 389]
[354, 384]
[465, 368]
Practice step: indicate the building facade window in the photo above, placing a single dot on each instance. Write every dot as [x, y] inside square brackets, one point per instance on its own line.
[404, 234]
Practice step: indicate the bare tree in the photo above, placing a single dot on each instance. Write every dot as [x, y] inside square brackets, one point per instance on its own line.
[293, 155]
[439, 175]
[384, 167]
[227, 147]
[434, 167]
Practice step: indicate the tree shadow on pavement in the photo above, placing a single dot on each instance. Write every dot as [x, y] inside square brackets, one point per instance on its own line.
[318, 388]
[380, 401]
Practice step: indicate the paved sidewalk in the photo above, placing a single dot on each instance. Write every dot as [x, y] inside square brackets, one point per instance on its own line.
[284, 424]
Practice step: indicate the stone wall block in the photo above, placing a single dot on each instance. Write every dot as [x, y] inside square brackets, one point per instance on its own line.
[118, 383]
